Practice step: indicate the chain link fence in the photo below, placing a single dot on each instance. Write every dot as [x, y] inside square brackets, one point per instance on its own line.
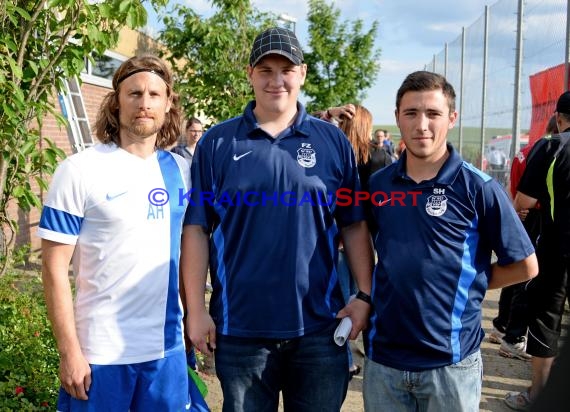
[508, 69]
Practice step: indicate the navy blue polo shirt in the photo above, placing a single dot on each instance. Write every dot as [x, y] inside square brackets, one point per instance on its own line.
[434, 245]
[270, 206]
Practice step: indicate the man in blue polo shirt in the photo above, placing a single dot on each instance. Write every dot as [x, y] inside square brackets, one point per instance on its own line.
[439, 219]
[263, 208]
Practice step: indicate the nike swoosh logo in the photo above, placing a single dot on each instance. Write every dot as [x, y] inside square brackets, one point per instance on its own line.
[236, 157]
[384, 202]
[112, 196]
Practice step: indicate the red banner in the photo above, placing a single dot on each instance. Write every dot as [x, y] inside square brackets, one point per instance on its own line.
[545, 88]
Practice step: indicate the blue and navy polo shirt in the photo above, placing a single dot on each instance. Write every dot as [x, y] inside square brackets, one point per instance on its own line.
[270, 206]
[434, 245]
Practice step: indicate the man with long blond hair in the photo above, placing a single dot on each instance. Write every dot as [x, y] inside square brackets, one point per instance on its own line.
[121, 341]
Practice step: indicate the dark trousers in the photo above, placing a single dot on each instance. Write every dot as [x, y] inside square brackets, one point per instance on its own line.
[513, 312]
[513, 302]
[546, 297]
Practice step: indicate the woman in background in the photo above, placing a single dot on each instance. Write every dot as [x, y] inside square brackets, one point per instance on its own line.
[358, 130]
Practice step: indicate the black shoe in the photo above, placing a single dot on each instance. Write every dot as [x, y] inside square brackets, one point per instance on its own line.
[354, 372]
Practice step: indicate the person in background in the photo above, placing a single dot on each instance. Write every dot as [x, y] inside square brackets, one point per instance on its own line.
[555, 397]
[379, 156]
[518, 164]
[193, 133]
[121, 340]
[357, 129]
[511, 324]
[545, 182]
[334, 114]
[497, 160]
[276, 300]
[389, 144]
[423, 343]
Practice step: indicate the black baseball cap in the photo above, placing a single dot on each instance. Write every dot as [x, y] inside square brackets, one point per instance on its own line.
[276, 40]
[563, 103]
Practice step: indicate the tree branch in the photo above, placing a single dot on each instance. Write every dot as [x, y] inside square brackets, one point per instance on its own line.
[53, 61]
[26, 33]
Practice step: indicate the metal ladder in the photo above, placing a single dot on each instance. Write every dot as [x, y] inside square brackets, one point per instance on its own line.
[73, 109]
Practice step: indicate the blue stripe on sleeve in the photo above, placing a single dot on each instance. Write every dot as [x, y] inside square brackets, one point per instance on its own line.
[59, 221]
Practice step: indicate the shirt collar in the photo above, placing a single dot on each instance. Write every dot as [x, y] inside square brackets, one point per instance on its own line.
[446, 175]
[300, 126]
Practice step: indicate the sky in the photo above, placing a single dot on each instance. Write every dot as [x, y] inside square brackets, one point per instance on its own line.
[410, 33]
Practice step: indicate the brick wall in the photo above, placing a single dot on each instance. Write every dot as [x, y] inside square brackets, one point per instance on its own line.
[28, 222]
[131, 42]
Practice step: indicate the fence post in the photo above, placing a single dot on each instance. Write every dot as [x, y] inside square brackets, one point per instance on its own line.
[515, 138]
[484, 85]
[461, 89]
[445, 54]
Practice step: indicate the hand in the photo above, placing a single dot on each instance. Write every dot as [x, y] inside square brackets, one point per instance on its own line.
[75, 375]
[202, 332]
[359, 312]
[523, 213]
[348, 111]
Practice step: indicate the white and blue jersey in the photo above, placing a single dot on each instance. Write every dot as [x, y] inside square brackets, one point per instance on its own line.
[434, 242]
[114, 207]
[270, 205]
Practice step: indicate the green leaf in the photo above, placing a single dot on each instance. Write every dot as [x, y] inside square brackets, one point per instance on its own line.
[28, 146]
[22, 13]
[16, 70]
[18, 191]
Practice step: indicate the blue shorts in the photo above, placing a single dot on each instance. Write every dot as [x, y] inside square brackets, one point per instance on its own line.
[159, 385]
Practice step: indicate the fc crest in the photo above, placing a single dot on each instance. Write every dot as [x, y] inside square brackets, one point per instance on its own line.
[306, 156]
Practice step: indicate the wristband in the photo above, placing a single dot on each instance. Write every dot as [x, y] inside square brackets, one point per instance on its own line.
[364, 297]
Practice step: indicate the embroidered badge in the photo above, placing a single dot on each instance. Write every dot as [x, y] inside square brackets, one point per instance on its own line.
[437, 203]
[306, 155]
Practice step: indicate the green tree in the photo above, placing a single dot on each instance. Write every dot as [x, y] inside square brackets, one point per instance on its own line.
[342, 60]
[42, 43]
[210, 55]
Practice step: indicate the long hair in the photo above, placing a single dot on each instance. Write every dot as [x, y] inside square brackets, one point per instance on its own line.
[107, 125]
[358, 130]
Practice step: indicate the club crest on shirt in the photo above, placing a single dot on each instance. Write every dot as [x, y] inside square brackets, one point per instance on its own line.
[437, 203]
[306, 155]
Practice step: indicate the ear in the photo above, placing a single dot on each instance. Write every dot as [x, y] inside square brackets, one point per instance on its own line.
[452, 119]
[303, 68]
[397, 118]
[249, 72]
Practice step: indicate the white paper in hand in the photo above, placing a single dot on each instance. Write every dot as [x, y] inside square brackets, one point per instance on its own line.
[342, 331]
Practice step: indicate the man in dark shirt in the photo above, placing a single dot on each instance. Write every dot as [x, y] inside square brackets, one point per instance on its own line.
[545, 181]
[379, 156]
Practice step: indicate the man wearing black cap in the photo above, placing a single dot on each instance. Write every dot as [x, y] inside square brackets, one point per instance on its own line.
[545, 181]
[272, 176]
